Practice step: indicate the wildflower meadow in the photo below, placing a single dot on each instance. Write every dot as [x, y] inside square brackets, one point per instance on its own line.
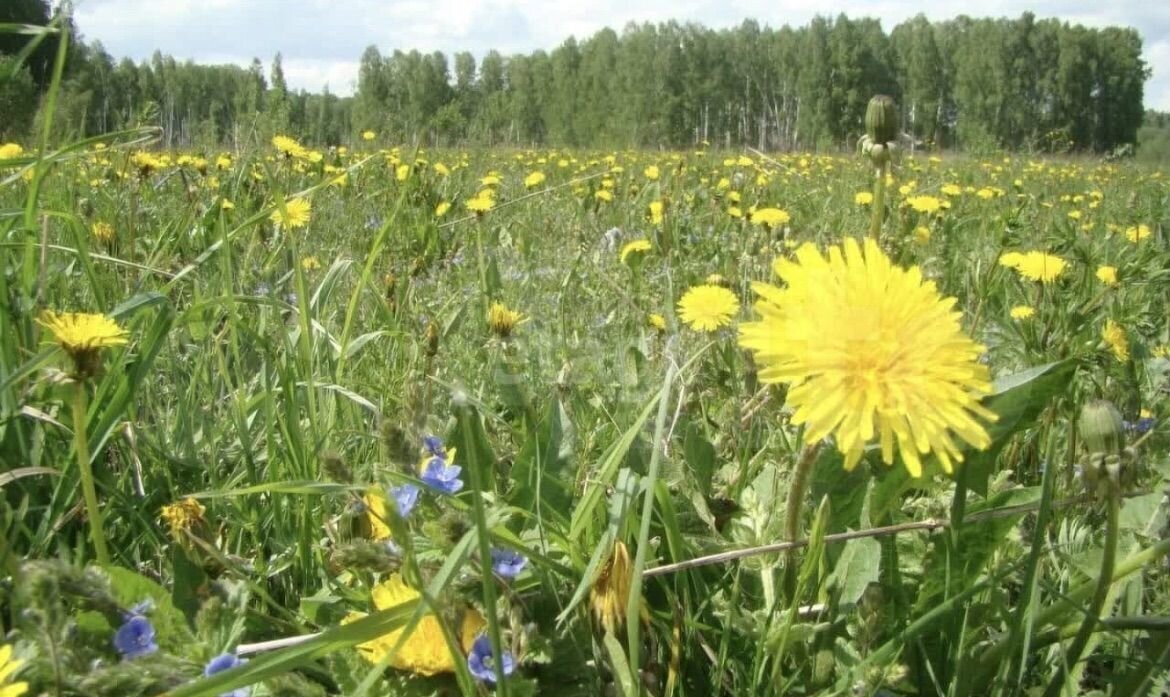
[377, 418]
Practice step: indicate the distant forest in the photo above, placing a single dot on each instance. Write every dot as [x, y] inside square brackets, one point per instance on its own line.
[1038, 84]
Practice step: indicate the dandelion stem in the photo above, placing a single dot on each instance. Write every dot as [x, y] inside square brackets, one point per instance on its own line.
[1096, 603]
[792, 508]
[81, 447]
[879, 203]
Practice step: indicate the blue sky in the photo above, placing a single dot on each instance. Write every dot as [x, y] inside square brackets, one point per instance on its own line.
[321, 40]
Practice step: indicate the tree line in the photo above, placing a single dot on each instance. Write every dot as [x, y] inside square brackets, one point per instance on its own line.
[962, 83]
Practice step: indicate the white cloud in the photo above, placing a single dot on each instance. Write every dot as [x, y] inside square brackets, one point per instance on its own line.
[321, 40]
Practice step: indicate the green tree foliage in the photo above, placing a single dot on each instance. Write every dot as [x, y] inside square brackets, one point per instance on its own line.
[966, 83]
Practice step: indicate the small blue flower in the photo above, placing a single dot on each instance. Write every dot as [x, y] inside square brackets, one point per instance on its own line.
[434, 446]
[508, 563]
[442, 477]
[135, 638]
[223, 662]
[1139, 427]
[405, 497]
[481, 663]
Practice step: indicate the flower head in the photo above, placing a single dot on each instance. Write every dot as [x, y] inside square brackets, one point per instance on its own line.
[656, 321]
[707, 307]
[289, 147]
[657, 212]
[223, 662]
[182, 516]
[441, 477]
[1137, 233]
[635, 248]
[1035, 266]
[869, 351]
[1107, 275]
[1022, 312]
[82, 335]
[863, 198]
[925, 204]
[502, 320]
[610, 592]
[135, 637]
[770, 218]
[369, 135]
[1114, 337]
[534, 179]
[8, 666]
[405, 497]
[425, 651]
[482, 203]
[508, 563]
[102, 232]
[294, 214]
[481, 662]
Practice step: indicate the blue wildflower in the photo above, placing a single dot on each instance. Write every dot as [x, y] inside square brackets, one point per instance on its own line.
[434, 446]
[508, 563]
[405, 497]
[482, 663]
[223, 662]
[135, 637]
[442, 477]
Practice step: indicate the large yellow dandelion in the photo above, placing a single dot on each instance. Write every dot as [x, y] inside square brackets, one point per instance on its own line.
[870, 350]
[707, 307]
[1114, 337]
[1035, 266]
[770, 218]
[295, 214]
[8, 666]
[425, 651]
[635, 248]
[81, 332]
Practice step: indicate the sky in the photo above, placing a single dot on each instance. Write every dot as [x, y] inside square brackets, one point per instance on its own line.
[321, 41]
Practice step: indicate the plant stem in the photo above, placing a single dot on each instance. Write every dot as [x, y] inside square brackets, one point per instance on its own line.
[81, 447]
[792, 508]
[1096, 603]
[879, 203]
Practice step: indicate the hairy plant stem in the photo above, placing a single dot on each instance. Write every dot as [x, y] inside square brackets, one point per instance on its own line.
[879, 203]
[81, 447]
[800, 476]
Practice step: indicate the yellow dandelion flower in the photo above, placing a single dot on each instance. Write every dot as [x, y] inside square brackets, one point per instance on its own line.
[310, 263]
[102, 232]
[442, 208]
[534, 179]
[227, 205]
[369, 135]
[1107, 275]
[922, 234]
[377, 510]
[1161, 351]
[657, 211]
[10, 151]
[294, 214]
[870, 350]
[651, 172]
[8, 666]
[656, 321]
[985, 194]
[182, 516]
[603, 195]
[1115, 338]
[610, 593]
[480, 204]
[707, 307]
[1022, 312]
[770, 217]
[925, 204]
[502, 320]
[635, 247]
[1137, 233]
[863, 198]
[289, 147]
[735, 212]
[425, 651]
[1035, 266]
[952, 190]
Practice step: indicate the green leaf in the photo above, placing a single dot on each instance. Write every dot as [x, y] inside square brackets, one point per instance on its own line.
[857, 567]
[541, 472]
[700, 457]
[1017, 399]
[130, 589]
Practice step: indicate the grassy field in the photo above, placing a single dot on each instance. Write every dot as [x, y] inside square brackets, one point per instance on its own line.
[246, 439]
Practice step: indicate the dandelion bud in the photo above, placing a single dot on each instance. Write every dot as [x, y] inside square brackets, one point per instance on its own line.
[1102, 428]
[881, 120]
